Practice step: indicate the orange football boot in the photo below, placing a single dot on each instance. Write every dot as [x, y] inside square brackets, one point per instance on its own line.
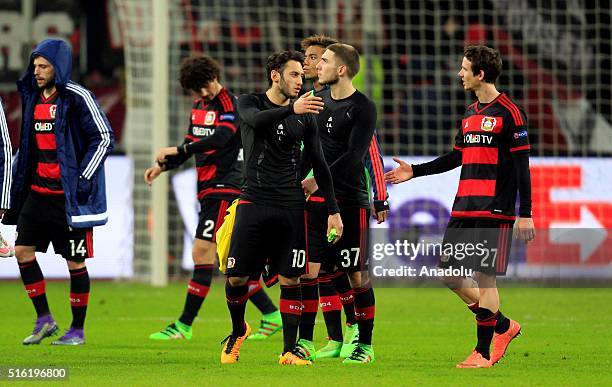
[502, 340]
[231, 349]
[475, 360]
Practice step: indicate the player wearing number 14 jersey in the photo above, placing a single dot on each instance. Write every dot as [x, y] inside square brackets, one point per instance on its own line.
[58, 193]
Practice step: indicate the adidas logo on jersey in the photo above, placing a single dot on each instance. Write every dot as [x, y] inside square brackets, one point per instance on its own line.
[329, 124]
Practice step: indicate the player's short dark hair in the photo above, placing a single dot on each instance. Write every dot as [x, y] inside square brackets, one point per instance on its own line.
[486, 59]
[347, 55]
[317, 40]
[278, 60]
[198, 71]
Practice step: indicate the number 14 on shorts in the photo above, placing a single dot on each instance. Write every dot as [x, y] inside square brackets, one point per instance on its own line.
[77, 247]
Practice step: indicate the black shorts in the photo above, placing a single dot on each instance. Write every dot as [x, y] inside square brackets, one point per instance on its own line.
[350, 254]
[267, 239]
[482, 245]
[43, 220]
[212, 213]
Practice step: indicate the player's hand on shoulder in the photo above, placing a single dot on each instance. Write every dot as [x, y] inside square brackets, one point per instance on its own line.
[400, 174]
[525, 230]
[308, 103]
[152, 173]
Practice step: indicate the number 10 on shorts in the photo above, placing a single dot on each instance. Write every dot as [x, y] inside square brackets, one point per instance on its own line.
[299, 258]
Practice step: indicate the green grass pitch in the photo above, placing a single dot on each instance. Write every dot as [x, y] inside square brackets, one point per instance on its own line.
[420, 334]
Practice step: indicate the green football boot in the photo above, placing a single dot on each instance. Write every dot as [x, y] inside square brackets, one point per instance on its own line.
[270, 324]
[351, 338]
[306, 349]
[332, 349]
[363, 353]
[175, 331]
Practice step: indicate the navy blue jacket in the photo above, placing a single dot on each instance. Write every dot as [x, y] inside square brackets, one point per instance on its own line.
[83, 135]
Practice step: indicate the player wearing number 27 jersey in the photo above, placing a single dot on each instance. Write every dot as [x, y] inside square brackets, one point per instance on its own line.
[492, 148]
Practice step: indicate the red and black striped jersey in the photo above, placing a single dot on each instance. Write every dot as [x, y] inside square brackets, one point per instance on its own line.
[488, 137]
[45, 177]
[219, 167]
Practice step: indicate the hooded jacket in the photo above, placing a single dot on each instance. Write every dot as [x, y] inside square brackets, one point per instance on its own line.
[83, 136]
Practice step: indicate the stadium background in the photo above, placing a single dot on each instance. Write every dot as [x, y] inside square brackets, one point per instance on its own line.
[556, 65]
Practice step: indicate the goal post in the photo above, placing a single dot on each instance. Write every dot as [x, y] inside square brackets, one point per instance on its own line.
[159, 124]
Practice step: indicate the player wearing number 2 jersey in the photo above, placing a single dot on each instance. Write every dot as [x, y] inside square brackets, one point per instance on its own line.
[213, 139]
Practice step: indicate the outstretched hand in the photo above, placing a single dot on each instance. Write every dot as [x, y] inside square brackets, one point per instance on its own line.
[400, 174]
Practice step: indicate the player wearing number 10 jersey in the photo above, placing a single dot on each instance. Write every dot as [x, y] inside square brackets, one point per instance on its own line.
[270, 217]
[213, 139]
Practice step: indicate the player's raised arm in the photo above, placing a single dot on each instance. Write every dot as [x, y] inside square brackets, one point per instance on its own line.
[405, 171]
[253, 115]
[444, 163]
[223, 133]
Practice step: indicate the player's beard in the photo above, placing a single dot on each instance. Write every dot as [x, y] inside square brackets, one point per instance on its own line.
[284, 89]
[48, 84]
[330, 82]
